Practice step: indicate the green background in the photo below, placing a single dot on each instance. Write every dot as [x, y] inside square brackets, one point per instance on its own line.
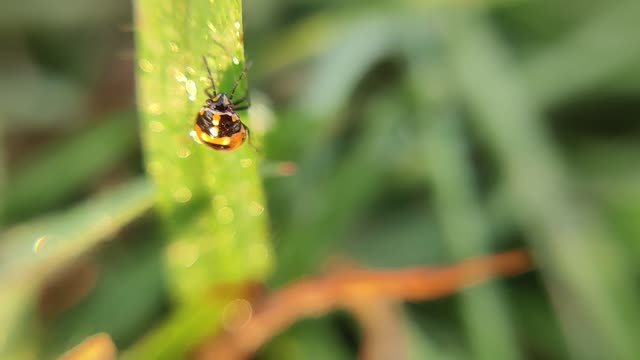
[421, 132]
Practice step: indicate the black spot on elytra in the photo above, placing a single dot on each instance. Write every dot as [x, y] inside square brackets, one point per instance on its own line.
[227, 126]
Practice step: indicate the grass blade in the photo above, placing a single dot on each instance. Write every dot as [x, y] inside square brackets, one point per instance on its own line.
[211, 202]
[602, 318]
[33, 251]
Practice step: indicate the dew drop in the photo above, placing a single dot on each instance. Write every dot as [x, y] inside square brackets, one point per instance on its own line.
[180, 77]
[182, 253]
[155, 109]
[182, 195]
[211, 181]
[37, 245]
[255, 209]
[183, 152]
[156, 126]
[146, 65]
[225, 215]
[259, 254]
[220, 201]
[155, 168]
[237, 315]
[191, 88]
[246, 163]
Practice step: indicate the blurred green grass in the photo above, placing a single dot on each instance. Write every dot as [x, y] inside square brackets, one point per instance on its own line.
[422, 132]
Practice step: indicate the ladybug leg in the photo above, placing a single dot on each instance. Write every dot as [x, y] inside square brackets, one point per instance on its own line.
[249, 141]
[246, 99]
[239, 101]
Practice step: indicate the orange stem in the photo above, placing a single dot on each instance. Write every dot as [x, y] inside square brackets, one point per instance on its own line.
[315, 296]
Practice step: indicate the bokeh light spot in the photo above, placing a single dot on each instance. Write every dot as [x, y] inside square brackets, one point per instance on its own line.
[146, 65]
[246, 163]
[182, 195]
[39, 243]
[237, 314]
[225, 215]
[182, 253]
[156, 126]
[255, 209]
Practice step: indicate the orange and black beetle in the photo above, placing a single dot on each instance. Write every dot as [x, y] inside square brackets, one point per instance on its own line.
[217, 124]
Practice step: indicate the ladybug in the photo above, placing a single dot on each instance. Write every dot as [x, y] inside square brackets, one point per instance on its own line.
[217, 124]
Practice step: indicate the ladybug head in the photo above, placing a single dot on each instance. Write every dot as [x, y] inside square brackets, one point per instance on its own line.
[220, 102]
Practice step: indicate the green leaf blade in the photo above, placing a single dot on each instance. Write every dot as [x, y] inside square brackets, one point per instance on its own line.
[212, 202]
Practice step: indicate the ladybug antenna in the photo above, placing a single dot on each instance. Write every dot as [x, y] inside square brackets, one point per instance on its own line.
[213, 83]
[247, 65]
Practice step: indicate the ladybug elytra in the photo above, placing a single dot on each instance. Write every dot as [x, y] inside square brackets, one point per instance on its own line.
[217, 124]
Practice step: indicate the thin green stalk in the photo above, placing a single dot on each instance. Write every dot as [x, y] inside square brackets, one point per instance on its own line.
[31, 252]
[584, 60]
[465, 231]
[582, 267]
[75, 162]
[486, 313]
[3, 174]
[336, 202]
